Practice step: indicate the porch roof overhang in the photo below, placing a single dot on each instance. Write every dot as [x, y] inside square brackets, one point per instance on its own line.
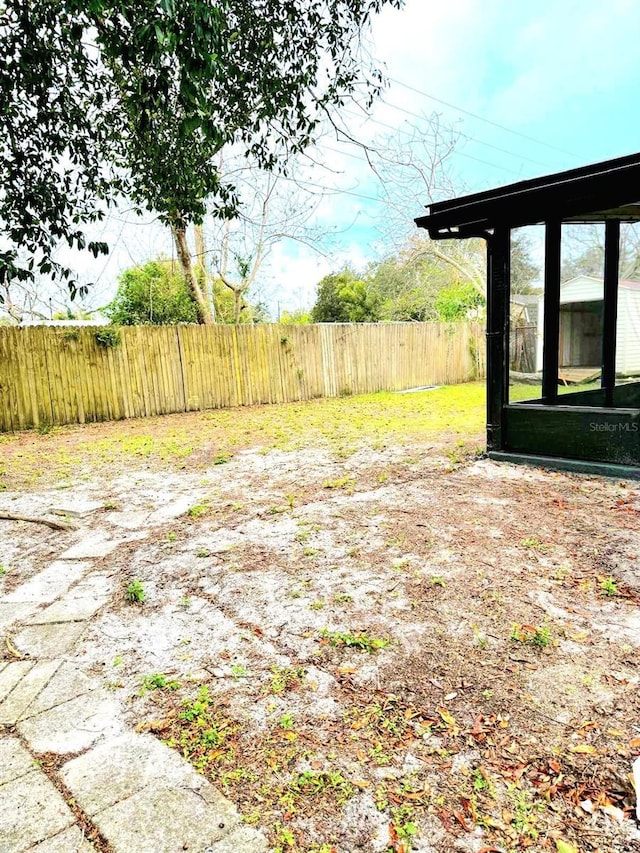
[595, 193]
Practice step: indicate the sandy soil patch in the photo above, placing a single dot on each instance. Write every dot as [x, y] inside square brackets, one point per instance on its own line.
[396, 648]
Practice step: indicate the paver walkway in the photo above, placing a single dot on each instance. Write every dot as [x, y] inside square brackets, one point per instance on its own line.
[72, 777]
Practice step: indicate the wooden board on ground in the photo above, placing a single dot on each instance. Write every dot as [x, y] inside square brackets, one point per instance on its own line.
[578, 375]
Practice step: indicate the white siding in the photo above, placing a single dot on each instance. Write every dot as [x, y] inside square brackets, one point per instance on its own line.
[582, 289]
[628, 348]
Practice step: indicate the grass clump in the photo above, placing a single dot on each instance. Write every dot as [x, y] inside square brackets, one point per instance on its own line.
[134, 592]
[158, 681]
[533, 635]
[361, 640]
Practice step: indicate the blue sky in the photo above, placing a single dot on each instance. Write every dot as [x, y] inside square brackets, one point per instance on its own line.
[530, 88]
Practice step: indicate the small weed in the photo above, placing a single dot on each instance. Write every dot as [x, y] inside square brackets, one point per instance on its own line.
[158, 681]
[286, 678]
[312, 783]
[436, 580]
[342, 598]
[44, 427]
[197, 707]
[608, 586]
[286, 722]
[203, 733]
[203, 552]
[532, 635]
[533, 543]
[222, 458]
[310, 552]
[134, 592]
[3, 569]
[118, 660]
[316, 605]
[360, 640]
[197, 510]
[111, 505]
[379, 756]
[285, 839]
[402, 819]
[186, 602]
[171, 536]
[239, 670]
[525, 811]
[302, 536]
[481, 783]
[345, 483]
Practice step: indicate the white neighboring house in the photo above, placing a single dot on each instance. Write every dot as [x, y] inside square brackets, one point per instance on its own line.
[581, 316]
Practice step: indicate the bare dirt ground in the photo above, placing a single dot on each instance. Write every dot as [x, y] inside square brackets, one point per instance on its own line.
[376, 643]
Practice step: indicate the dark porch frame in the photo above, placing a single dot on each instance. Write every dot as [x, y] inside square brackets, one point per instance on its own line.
[584, 430]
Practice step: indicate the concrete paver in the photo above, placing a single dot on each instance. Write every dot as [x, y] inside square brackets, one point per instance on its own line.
[74, 725]
[50, 583]
[68, 682]
[95, 544]
[77, 508]
[26, 690]
[119, 767]
[242, 839]
[167, 820]
[94, 584]
[15, 761]
[12, 674]
[68, 609]
[14, 612]
[48, 641]
[32, 809]
[68, 841]
[139, 793]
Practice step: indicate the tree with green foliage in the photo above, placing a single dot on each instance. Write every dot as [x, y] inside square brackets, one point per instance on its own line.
[152, 294]
[299, 317]
[137, 98]
[458, 302]
[345, 298]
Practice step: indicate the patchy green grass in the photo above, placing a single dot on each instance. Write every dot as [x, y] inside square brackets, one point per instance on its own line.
[205, 438]
[454, 414]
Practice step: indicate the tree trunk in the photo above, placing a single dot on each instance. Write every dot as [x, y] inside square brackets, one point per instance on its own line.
[237, 305]
[201, 270]
[205, 315]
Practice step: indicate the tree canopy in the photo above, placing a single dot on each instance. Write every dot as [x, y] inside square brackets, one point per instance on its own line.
[136, 98]
[152, 294]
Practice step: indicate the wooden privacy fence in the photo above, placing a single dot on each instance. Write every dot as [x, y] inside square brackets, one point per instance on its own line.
[62, 375]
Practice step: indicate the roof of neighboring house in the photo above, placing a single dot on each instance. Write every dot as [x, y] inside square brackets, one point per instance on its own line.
[607, 190]
[624, 283]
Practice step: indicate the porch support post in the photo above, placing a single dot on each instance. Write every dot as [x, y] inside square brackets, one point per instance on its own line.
[551, 334]
[609, 342]
[498, 287]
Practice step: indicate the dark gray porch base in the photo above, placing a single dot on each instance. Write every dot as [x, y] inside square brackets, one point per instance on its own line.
[575, 466]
